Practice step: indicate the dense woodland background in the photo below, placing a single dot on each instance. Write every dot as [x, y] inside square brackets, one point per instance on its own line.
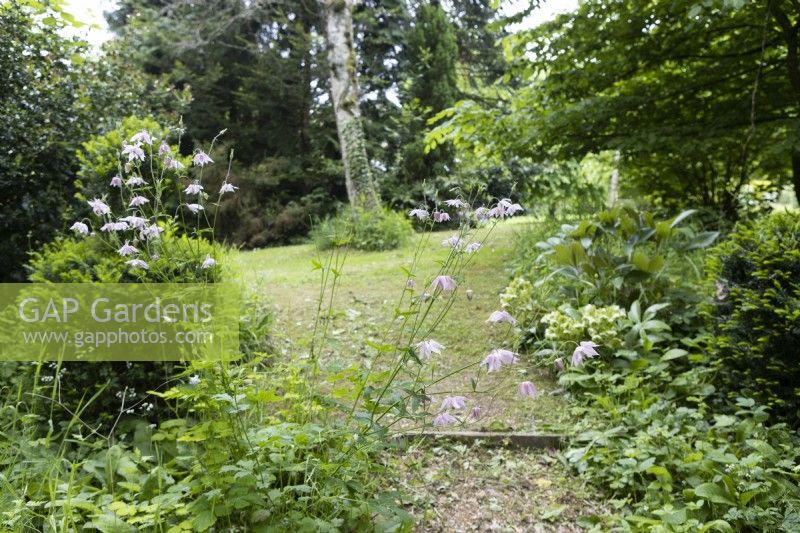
[689, 103]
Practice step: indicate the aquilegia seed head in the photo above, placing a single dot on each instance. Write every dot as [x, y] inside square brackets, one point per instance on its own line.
[498, 317]
[526, 388]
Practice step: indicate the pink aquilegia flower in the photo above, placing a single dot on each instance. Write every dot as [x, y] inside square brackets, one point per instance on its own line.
[426, 348]
[194, 208]
[208, 262]
[472, 247]
[116, 181]
[559, 364]
[164, 149]
[493, 361]
[482, 213]
[526, 388]
[440, 216]
[99, 207]
[498, 317]
[586, 349]
[513, 209]
[193, 188]
[475, 413]
[150, 232]
[496, 212]
[135, 181]
[142, 137]
[80, 228]
[137, 263]
[173, 164]
[455, 203]
[453, 402]
[444, 419]
[138, 201]
[452, 242]
[133, 151]
[227, 187]
[127, 249]
[201, 159]
[114, 226]
[421, 214]
[445, 283]
[507, 357]
[134, 221]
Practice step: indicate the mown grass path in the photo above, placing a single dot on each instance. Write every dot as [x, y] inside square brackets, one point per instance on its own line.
[370, 285]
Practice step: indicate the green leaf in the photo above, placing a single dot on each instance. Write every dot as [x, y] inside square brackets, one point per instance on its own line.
[681, 217]
[674, 353]
[204, 520]
[714, 493]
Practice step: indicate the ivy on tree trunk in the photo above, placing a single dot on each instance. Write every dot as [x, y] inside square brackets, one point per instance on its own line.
[361, 189]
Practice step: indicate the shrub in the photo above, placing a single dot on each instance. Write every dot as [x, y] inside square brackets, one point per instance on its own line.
[363, 230]
[756, 311]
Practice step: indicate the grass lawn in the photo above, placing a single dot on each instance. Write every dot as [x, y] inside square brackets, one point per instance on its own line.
[370, 285]
[456, 487]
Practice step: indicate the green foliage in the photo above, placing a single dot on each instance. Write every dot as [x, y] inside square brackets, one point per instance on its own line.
[621, 255]
[672, 454]
[756, 312]
[363, 230]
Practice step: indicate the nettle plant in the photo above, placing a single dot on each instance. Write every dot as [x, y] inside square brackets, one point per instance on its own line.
[147, 234]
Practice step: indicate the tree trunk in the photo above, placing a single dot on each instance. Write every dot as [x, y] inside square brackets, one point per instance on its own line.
[613, 186]
[361, 189]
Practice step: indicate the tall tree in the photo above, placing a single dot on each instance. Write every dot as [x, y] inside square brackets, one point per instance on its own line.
[361, 189]
[696, 97]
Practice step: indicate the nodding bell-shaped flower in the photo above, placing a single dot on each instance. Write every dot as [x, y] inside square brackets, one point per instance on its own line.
[526, 388]
[421, 214]
[444, 419]
[201, 159]
[559, 364]
[452, 242]
[194, 208]
[127, 249]
[426, 348]
[99, 207]
[133, 151]
[114, 226]
[135, 181]
[453, 402]
[455, 203]
[164, 149]
[586, 349]
[445, 283]
[142, 137]
[135, 222]
[80, 228]
[208, 262]
[116, 181]
[440, 216]
[137, 263]
[475, 413]
[472, 247]
[138, 201]
[498, 317]
[227, 187]
[193, 188]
